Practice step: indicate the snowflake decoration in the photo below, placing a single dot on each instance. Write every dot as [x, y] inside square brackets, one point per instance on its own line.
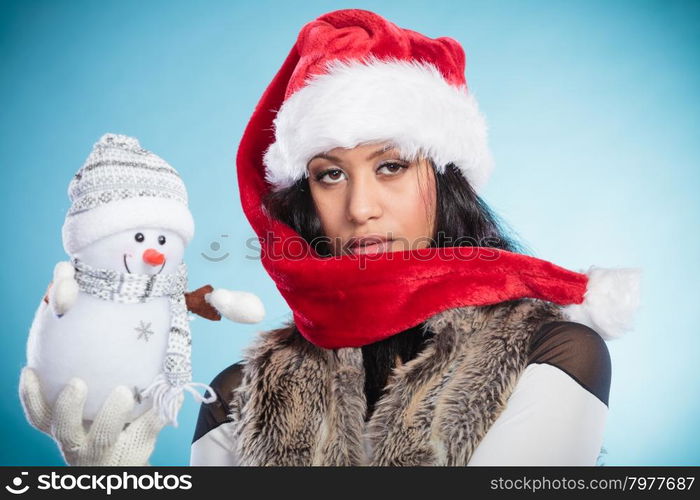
[144, 330]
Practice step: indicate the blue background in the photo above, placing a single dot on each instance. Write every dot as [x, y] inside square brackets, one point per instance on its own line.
[593, 115]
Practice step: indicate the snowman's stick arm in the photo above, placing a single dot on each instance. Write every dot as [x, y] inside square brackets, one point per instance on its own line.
[194, 300]
[198, 305]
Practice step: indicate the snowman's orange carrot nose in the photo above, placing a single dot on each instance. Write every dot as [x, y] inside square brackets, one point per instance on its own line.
[153, 257]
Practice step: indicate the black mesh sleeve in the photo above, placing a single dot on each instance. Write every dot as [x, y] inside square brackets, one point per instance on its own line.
[577, 350]
[212, 415]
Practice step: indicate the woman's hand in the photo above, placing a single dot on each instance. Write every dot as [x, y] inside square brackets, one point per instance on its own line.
[107, 441]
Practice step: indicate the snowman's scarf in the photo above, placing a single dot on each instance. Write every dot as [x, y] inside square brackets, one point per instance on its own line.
[130, 288]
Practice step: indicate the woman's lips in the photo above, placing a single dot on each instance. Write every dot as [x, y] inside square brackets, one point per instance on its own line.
[373, 247]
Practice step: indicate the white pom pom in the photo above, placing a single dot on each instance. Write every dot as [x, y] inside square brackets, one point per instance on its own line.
[241, 307]
[610, 302]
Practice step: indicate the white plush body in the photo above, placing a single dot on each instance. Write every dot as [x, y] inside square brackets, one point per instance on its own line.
[98, 341]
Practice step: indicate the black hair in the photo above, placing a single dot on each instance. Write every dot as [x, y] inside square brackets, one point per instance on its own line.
[462, 218]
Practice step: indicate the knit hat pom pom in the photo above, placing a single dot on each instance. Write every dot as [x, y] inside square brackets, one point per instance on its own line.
[121, 141]
[610, 302]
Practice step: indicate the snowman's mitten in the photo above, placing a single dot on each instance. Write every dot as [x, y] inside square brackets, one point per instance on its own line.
[241, 307]
[64, 289]
[63, 269]
[107, 441]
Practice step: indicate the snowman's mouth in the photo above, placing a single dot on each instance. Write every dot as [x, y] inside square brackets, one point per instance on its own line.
[126, 266]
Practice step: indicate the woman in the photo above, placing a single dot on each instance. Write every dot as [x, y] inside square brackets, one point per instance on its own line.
[557, 411]
[367, 215]
[421, 334]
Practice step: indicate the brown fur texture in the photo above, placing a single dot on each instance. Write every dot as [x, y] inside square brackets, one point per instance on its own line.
[301, 405]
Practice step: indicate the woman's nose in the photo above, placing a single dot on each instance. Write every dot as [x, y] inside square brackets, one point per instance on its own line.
[364, 201]
[153, 257]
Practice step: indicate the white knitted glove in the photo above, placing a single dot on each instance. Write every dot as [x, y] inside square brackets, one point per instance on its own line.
[106, 442]
[241, 307]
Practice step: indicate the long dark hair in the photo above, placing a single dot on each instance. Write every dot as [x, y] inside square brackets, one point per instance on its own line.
[462, 218]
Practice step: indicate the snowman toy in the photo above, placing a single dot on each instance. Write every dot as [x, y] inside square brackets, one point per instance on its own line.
[117, 312]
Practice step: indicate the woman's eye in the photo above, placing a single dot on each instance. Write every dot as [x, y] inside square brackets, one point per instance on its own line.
[331, 176]
[391, 168]
[161, 239]
[139, 237]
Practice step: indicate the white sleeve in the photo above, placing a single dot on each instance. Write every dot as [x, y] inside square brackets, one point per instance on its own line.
[216, 447]
[550, 419]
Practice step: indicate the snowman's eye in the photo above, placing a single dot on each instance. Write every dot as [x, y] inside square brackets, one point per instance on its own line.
[139, 237]
[161, 239]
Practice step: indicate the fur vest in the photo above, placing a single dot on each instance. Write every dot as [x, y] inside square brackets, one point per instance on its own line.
[301, 405]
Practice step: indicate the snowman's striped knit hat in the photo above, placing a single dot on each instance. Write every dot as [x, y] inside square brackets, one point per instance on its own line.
[122, 186]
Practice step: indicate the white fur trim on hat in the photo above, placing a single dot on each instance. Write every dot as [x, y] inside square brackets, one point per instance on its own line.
[83, 228]
[612, 297]
[408, 103]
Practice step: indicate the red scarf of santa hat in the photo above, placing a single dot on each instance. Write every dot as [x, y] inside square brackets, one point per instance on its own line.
[353, 77]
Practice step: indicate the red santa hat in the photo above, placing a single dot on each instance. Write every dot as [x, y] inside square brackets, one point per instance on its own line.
[353, 77]
[361, 78]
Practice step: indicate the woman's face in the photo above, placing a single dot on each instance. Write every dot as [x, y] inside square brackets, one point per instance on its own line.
[370, 200]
